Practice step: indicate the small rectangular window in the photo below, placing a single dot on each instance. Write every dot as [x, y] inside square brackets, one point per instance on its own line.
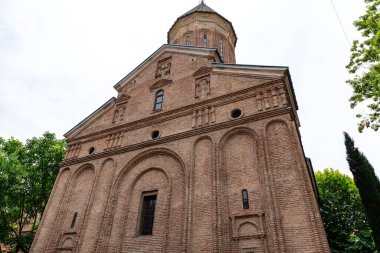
[147, 214]
[158, 100]
[74, 220]
[244, 194]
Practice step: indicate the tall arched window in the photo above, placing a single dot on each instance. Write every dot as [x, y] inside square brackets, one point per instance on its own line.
[204, 40]
[244, 195]
[158, 101]
[187, 40]
[221, 49]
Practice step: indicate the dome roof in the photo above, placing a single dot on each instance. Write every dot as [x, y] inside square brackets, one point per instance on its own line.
[202, 7]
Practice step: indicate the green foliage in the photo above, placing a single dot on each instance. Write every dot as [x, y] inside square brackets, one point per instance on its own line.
[368, 185]
[365, 66]
[343, 214]
[27, 174]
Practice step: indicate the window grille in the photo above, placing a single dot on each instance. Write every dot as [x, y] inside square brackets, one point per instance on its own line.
[147, 214]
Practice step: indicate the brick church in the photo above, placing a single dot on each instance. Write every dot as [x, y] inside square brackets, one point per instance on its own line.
[196, 154]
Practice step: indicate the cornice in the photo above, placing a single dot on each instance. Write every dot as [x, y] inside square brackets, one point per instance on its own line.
[160, 83]
[179, 112]
[186, 134]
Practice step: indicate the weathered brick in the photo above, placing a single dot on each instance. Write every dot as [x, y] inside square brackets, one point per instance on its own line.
[199, 164]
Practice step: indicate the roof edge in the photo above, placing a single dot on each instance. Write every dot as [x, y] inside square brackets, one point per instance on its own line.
[83, 122]
[246, 66]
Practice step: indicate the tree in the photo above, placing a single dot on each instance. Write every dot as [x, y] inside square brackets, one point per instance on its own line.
[365, 66]
[27, 173]
[368, 185]
[343, 213]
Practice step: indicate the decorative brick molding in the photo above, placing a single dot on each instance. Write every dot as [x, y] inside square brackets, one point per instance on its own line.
[160, 83]
[73, 151]
[114, 141]
[202, 71]
[203, 117]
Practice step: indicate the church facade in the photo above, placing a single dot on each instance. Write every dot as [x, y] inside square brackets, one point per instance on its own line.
[196, 154]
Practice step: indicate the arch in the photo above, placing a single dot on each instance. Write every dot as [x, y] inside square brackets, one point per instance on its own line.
[205, 137]
[222, 45]
[240, 130]
[188, 37]
[162, 191]
[125, 199]
[247, 229]
[80, 170]
[63, 170]
[271, 122]
[289, 180]
[141, 174]
[142, 156]
[95, 215]
[68, 243]
[202, 177]
[78, 201]
[51, 211]
[209, 37]
[242, 166]
[109, 159]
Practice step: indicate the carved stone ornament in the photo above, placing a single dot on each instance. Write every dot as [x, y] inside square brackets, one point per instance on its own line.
[202, 71]
[163, 67]
[121, 107]
[122, 98]
[160, 83]
[202, 87]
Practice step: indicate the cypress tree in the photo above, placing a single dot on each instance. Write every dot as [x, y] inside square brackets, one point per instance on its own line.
[368, 185]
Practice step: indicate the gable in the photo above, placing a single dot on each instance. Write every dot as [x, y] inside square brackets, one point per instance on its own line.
[200, 51]
[94, 122]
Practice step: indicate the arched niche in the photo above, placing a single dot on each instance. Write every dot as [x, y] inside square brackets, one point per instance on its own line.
[242, 167]
[288, 185]
[203, 200]
[159, 170]
[91, 230]
[82, 183]
[247, 229]
[51, 211]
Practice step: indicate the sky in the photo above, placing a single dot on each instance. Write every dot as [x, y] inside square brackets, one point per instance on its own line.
[59, 60]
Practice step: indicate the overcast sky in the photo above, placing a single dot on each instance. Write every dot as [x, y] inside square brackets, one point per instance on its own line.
[59, 60]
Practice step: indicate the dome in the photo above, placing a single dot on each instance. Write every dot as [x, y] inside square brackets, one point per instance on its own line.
[204, 27]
